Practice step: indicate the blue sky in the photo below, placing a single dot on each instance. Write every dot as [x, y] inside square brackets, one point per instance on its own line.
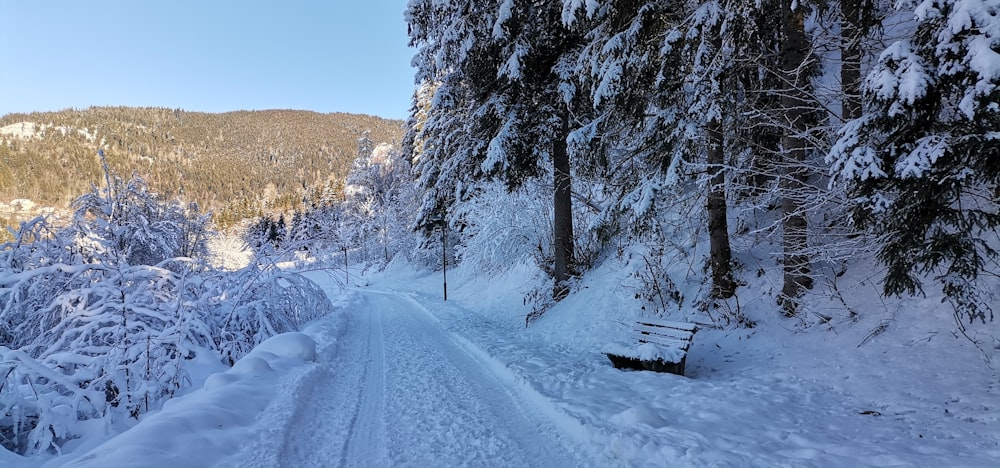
[206, 55]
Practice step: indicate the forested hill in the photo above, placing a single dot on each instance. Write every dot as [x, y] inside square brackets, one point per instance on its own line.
[236, 164]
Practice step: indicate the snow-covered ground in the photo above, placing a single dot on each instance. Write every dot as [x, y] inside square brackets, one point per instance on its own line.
[28, 130]
[916, 394]
[399, 377]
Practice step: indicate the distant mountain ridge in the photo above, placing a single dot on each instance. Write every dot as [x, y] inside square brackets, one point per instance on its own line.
[237, 164]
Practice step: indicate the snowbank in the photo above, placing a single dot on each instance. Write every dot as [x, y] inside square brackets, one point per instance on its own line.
[202, 427]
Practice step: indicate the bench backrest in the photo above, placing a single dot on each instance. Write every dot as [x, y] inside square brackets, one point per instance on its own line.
[674, 334]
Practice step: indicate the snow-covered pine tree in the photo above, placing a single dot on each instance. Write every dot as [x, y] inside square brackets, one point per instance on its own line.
[265, 236]
[711, 71]
[673, 83]
[503, 105]
[923, 161]
[413, 143]
[443, 33]
[699, 89]
[629, 74]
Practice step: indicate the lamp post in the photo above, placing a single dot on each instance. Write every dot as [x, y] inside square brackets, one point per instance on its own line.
[439, 221]
[444, 258]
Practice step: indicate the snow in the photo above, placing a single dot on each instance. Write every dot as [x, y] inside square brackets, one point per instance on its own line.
[644, 351]
[229, 251]
[496, 152]
[974, 23]
[978, 18]
[923, 156]
[570, 8]
[511, 69]
[198, 429]
[399, 377]
[22, 204]
[24, 130]
[27, 130]
[769, 396]
[610, 81]
[860, 162]
[506, 11]
[901, 77]
[289, 345]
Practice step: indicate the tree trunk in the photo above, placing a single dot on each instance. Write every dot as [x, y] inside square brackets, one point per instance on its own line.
[720, 254]
[563, 212]
[851, 27]
[794, 104]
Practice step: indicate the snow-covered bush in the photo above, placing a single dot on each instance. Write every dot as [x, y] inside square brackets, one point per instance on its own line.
[259, 302]
[97, 318]
[137, 224]
[87, 337]
[503, 229]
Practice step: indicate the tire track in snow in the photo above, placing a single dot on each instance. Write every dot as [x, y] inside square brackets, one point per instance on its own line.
[365, 445]
[393, 389]
[316, 433]
[444, 408]
[330, 414]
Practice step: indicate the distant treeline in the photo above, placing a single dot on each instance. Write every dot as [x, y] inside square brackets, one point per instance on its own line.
[236, 164]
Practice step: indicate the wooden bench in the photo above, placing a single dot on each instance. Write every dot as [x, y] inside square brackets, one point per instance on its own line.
[660, 346]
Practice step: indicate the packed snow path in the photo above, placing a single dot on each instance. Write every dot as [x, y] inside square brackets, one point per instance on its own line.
[393, 389]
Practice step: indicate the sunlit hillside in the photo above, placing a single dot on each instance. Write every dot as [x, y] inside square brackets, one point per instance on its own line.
[236, 164]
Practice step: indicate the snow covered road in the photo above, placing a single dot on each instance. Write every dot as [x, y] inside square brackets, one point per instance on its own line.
[401, 378]
[390, 388]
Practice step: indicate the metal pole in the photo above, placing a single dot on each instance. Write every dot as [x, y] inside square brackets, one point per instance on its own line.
[347, 272]
[444, 259]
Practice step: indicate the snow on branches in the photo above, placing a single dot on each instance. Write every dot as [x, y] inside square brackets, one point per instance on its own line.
[922, 160]
[98, 317]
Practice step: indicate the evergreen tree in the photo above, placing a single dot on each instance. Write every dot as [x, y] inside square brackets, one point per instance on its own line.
[923, 161]
[503, 106]
[674, 83]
